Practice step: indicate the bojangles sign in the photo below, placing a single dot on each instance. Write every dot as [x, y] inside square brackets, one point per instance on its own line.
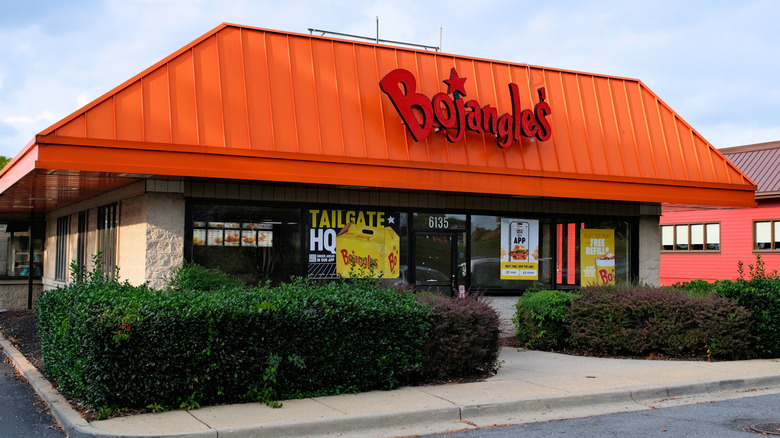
[456, 115]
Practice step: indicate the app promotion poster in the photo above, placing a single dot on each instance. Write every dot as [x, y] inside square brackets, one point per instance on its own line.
[597, 261]
[519, 249]
[343, 243]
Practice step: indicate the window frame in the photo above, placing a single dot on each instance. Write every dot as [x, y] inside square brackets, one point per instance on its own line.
[688, 246]
[774, 243]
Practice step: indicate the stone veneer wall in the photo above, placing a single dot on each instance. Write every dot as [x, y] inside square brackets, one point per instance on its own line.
[151, 237]
[13, 293]
[164, 236]
[650, 247]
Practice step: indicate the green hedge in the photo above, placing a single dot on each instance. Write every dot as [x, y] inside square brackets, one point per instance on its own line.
[639, 320]
[352, 336]
[115, 345]
[542, 319]
[761, 296]
[757, 291]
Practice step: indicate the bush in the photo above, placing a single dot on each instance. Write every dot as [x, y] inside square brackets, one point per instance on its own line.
[463, 338]
[641, 320]
[191, 276]
[350, 335]
[116, 345]
[694, 288]
[761, 296]
[541, 321]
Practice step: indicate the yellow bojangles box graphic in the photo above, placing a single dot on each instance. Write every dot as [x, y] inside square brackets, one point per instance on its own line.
[367, 251]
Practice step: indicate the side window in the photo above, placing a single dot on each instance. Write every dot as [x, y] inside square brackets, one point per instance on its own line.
[61, 256]
[690, 237]
[106, 227]
[766, 235]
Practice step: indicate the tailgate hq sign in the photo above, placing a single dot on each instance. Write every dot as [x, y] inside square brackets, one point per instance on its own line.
[456, 115]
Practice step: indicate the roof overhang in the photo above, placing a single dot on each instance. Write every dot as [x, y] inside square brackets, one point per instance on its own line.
[57, 171]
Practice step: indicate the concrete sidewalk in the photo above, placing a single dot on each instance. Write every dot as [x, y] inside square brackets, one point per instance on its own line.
[530, 386]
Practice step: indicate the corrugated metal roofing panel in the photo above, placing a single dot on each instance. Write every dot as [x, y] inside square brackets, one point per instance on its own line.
[251, 91]
[760, 162]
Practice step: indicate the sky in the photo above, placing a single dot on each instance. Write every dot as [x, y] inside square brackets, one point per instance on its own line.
[716, 63]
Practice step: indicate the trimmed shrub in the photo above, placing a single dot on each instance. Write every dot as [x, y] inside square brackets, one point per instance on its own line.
[761, 296]
[111, 344]
[463, 339]
[640, 320]
[542, 320]
[349, 335]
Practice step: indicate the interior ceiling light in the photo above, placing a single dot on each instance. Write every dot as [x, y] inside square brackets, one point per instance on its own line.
[63, 188]
[23, 206]
[39, 199]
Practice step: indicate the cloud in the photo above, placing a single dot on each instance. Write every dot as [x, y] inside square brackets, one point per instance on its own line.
[6, 130]
[722, 135]
[46, 116]
[83, 99]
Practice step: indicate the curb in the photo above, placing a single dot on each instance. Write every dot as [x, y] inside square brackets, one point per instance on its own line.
[346, 424]
[641, 396]
[66, 416]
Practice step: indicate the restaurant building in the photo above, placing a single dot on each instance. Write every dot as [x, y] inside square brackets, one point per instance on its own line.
[271, 154]
[709, 243]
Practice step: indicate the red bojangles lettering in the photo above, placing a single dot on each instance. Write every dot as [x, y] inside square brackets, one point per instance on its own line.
[392, 260]
[456, 115]
[353, 259]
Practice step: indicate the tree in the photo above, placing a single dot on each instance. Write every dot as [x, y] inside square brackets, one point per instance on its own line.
[3, 161]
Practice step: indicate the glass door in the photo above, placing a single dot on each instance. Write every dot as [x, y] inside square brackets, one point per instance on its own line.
[440, 262]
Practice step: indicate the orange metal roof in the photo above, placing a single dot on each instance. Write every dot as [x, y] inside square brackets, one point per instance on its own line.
[255, 104]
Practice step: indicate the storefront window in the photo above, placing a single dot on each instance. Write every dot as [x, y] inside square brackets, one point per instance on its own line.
[510, 253]
[448, 252]
[619, 251]
[15, 249]
[255, 244]
[567, 252]
[356, 242]
[592, 252]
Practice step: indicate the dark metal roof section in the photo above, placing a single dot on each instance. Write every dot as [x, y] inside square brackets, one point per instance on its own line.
[760, 162]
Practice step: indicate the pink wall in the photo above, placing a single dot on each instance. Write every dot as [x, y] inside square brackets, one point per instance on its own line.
[736, 243]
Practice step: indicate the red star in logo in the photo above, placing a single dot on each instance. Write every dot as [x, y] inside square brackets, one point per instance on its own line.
[455, 84]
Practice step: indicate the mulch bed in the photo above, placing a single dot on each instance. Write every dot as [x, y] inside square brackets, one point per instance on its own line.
[20, 327]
